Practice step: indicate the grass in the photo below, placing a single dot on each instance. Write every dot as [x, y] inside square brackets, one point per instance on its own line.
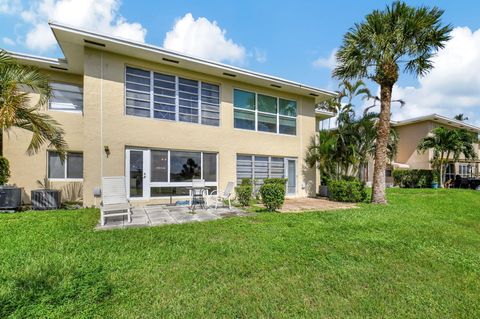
[417, 257]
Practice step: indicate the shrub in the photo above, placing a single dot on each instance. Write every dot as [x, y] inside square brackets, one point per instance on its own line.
[347, 191]
[413, 178]
[4, 170]
[244, 194]
[246, 181]
[273, 195]
[280, 181]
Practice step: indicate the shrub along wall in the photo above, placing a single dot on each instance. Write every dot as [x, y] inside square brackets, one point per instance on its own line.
[347, 191]
[273, 193]
[413, 178]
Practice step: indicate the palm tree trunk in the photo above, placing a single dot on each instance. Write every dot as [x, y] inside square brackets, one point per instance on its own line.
[383, 132]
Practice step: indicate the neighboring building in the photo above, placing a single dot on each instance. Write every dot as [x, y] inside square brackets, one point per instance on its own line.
[410, 132]
[162, 118]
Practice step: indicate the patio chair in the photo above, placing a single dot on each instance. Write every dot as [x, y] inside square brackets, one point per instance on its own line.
[219, 197]
[197, 192]
[114, 199]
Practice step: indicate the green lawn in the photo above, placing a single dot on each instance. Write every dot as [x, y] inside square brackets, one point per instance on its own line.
[417, 257]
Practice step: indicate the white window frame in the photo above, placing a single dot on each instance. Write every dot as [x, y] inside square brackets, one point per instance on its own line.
[148, 176]
[256, 112]
[65, 164]
[177, 96]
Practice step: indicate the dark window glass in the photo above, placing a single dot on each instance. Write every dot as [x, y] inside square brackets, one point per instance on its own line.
[287, 107]
[210, 167]
[75, 165]
[267, 104]
[184, 166]
[244, 119]
[56, 168]
[243, 99]
[159, 166]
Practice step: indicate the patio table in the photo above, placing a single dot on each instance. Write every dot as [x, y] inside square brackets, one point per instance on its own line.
[198, 196]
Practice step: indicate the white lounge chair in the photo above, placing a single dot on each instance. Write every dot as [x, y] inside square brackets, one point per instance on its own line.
[114, 199]
[219, 197]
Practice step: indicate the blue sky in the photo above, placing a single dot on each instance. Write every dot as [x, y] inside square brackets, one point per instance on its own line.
[282, 38]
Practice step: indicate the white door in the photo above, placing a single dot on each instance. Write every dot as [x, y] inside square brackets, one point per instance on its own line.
[291, 174]
[137, 171]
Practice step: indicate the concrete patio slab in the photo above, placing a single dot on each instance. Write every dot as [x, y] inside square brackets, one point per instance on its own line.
[157, 215]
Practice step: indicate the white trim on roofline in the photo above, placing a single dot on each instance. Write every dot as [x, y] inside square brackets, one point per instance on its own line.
[177, 55]
[437, 118]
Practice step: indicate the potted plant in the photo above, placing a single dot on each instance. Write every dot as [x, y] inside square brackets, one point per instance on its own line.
[46, 197]
[323, 189]
[10, 196]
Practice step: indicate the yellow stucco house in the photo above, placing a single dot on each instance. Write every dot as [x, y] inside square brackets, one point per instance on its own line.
[410, 132]
[162, 118]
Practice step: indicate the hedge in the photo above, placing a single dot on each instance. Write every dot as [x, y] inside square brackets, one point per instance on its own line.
[347, 191]
[413, 178]
[4, 170]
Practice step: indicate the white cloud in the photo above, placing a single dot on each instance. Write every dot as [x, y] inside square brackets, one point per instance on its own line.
[326, 62]
[8, 41]
[260, 55]
[96, 15]
[204, 39]
[452, 86]
[10, 6]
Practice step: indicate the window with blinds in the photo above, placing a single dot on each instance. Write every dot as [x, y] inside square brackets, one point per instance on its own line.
[167, 97]
[66, 97]
[259, 168]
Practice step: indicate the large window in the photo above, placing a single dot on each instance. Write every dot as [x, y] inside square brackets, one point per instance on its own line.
[168, 97]
[71, 168]
[66, 97]
[259, 112]
[173, 171]
[259, 167]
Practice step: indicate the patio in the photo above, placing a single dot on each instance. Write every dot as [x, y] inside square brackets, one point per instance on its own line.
[158, 215]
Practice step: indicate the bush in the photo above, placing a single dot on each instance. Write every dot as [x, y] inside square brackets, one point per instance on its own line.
[246, 181]
[4, 170]
[244, 194]
[273, 195]
[280, 181]
[347, 191]
[413, 178]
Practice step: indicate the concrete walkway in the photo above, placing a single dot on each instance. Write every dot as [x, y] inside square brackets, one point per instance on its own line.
[157, 215]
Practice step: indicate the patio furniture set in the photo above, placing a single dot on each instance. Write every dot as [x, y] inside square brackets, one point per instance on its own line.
[115, 200]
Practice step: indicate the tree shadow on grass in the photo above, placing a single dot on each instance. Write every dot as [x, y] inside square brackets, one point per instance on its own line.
[49, 292]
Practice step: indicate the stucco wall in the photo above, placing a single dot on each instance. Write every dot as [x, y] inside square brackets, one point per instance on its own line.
[104, 123]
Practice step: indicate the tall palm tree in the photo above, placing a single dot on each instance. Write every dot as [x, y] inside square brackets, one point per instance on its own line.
[16, 83]
[447, 145]
[399, 36]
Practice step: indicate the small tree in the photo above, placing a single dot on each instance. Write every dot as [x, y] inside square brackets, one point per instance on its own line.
[447, 145]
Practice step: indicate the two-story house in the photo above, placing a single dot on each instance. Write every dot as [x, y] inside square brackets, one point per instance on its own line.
[163, 118]
[411, 131]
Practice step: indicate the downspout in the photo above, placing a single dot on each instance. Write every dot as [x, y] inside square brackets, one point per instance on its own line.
[101, 114]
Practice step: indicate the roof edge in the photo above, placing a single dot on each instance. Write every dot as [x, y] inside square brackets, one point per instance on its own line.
[225, 67]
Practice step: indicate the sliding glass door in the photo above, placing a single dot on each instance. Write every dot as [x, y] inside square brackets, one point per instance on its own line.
[165, 173]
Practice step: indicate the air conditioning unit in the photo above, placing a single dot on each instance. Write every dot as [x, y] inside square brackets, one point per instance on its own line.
[44, 199]
[10, 198]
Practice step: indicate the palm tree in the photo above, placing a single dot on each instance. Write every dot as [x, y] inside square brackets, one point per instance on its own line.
[460, 117]
[447, 143]
[376, 49]
[17, 82]
[321, 153]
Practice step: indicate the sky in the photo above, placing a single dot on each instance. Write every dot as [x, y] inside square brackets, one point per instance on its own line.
[295, 40]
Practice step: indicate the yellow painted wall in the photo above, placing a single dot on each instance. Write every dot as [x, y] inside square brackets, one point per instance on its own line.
[104, 124]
